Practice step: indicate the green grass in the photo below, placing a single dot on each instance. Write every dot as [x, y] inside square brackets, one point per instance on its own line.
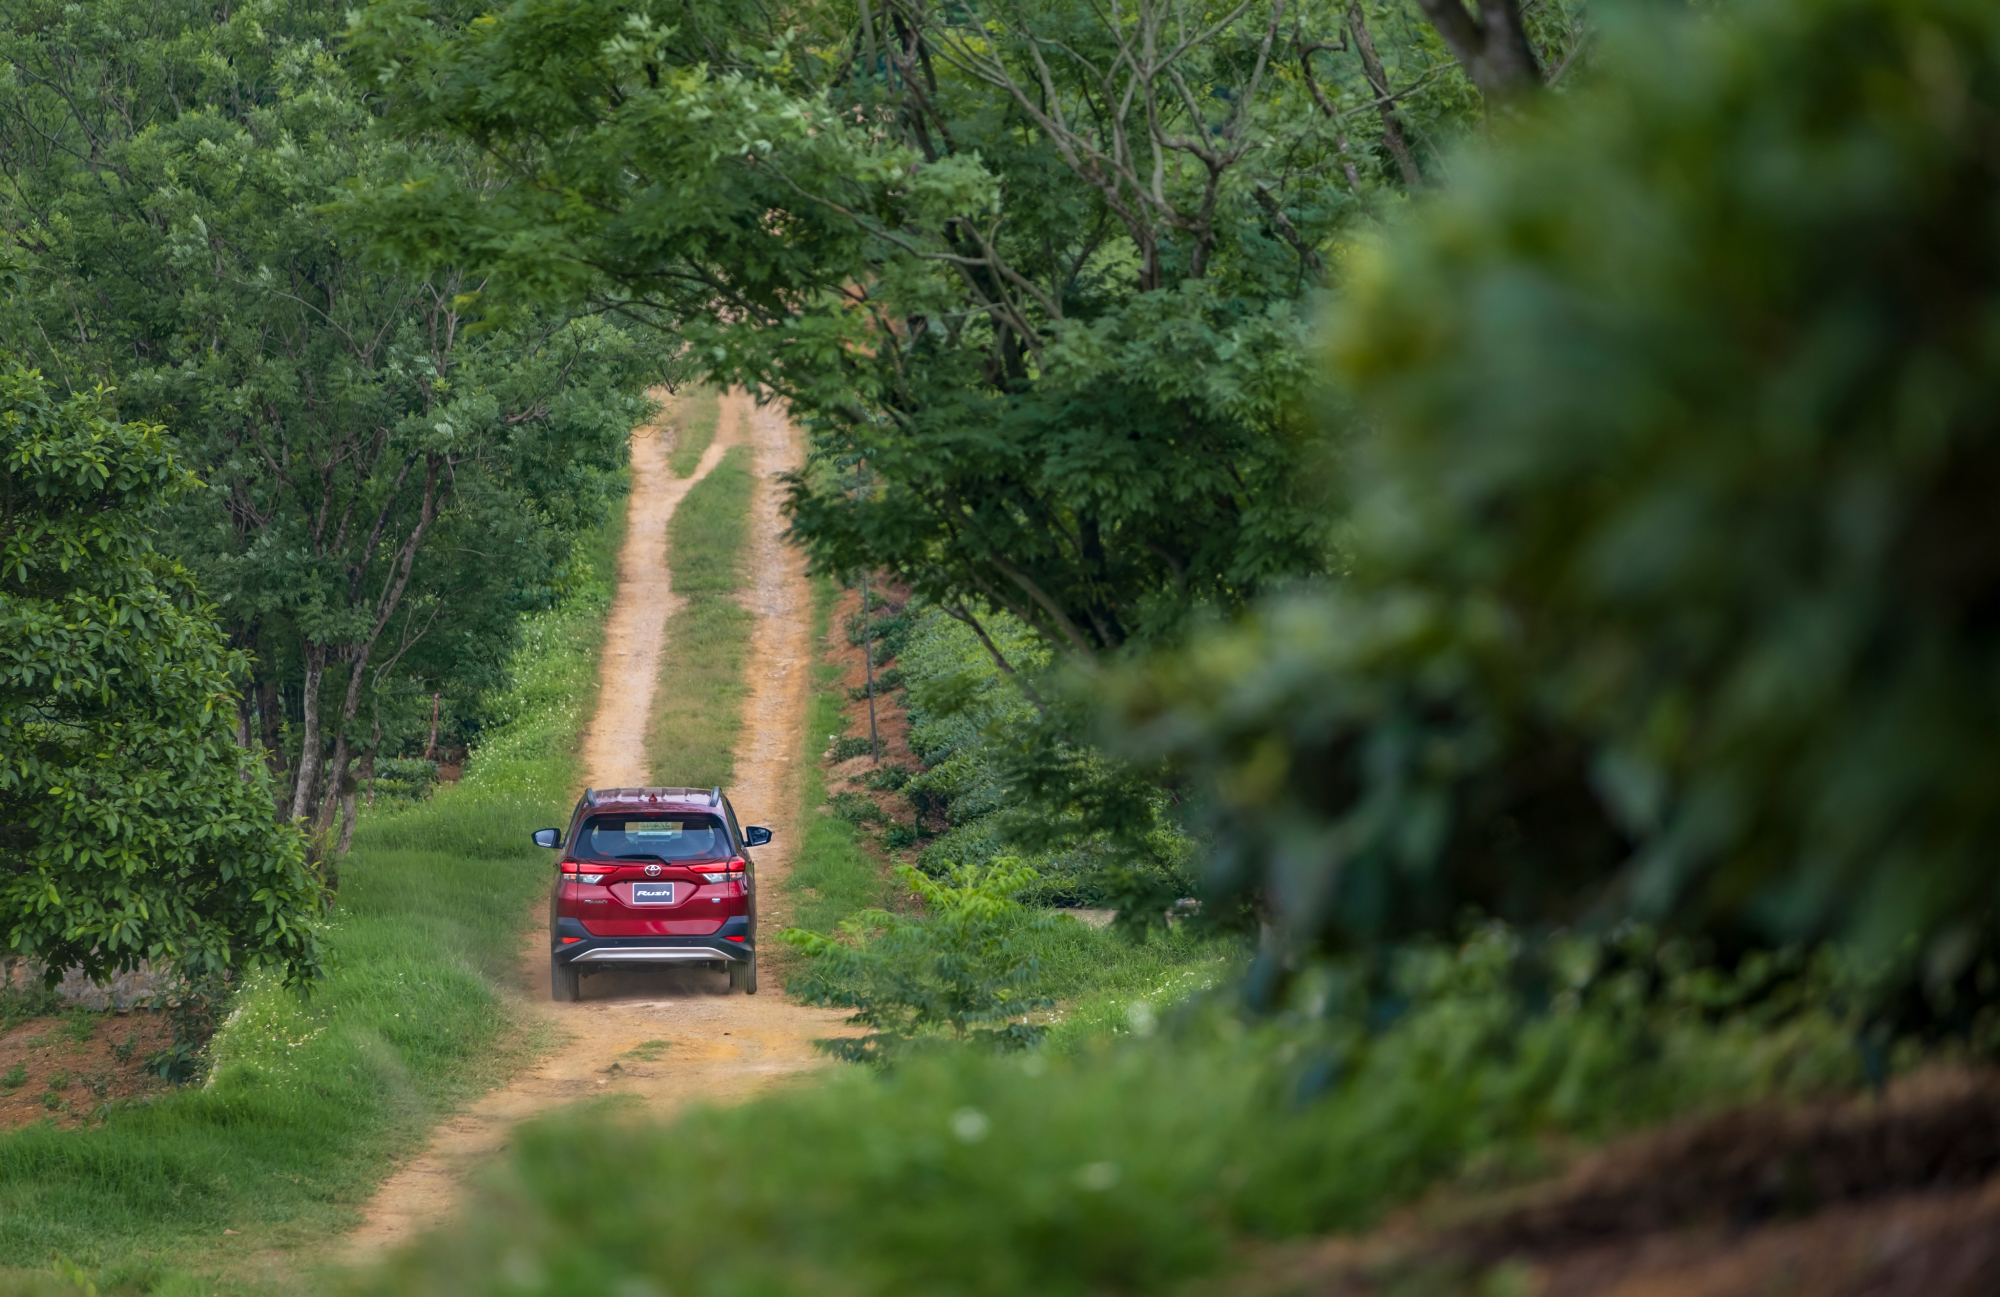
[832, 876]
[1131, 1167]
[310, 1098]
[698, 711]
[1103, 981]
[695, 412]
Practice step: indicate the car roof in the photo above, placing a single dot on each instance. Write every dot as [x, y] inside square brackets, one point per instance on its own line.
[706, 799]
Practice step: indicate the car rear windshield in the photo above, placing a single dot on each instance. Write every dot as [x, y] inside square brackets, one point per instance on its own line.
[656, 836]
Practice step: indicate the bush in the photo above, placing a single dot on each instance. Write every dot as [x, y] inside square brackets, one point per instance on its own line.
[886, 779]
[403, 779]
[960, 972]
[856, 808]
[982, 743]
[1671, 589]
[136, 829]
[849, 746]
[884, 682]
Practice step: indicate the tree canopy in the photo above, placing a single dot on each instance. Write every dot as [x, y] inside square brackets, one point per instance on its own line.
[385, 488]
[1048, 272]
[1673, 576]
[132, 826]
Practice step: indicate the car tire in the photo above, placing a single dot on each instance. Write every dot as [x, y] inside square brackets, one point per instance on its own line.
[743, 976]
[565, 982]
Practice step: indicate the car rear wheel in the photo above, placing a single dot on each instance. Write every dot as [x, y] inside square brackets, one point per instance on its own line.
[565, 982]
[743, 976]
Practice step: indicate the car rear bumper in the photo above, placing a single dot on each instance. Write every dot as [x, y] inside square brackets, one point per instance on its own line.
[582, 948]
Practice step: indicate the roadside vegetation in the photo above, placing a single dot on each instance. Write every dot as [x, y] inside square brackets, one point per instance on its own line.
[965, 941]
[698, 708]
[1568, 688]
[833, 875]
[1468, 528]
[308, 1100]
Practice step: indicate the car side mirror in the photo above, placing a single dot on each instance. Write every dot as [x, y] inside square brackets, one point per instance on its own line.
[550, 838]
[754, 836]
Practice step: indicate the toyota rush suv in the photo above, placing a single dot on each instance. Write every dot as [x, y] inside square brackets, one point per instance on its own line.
[652, 876]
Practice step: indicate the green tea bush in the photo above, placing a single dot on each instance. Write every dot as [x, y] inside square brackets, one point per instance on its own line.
[886, 779]
[963, 971]
[975, 730]
[849, 746]
[856, 808]
[885, 681]
[406, 779]
[888, 629]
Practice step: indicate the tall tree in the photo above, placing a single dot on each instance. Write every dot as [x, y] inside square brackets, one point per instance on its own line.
[1048, 270]
[133, 827]
[379, 478]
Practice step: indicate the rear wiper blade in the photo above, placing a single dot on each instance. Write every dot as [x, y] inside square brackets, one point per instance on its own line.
[662, 859]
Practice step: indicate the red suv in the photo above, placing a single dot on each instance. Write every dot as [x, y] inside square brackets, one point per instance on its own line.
[653, 876]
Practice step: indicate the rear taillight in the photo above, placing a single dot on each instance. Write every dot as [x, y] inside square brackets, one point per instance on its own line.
[575, 870]
[732, 873]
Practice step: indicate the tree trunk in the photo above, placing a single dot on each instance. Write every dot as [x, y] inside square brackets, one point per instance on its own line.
[359, 654]
[1392, 125]
[347, 806]
[309, 736]
[343, 753]
[270, 710]
[1492, 46]
[243, 736]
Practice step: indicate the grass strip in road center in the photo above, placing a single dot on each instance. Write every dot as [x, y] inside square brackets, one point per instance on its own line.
[696, 411]
[698, 710]
[217, 1188]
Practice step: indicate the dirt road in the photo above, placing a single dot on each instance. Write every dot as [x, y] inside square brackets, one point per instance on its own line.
[718, 1046]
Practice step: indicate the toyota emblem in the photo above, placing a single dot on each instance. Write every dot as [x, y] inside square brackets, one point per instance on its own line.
[652, 871]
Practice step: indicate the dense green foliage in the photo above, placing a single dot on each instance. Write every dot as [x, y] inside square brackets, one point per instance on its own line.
[698, 710]
[311, 1098]
[966, 969]
[132, 826]
[1673, 577]
[386, 489]
[978, 737]
[1049, 271]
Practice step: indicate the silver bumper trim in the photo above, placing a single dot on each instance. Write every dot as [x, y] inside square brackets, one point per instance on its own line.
[652, 955]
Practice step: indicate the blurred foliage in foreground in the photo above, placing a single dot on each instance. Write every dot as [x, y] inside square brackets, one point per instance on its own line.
[1675, 586]
[1131, 1168]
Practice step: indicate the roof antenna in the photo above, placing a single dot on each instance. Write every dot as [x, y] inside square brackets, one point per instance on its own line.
[715, 794]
